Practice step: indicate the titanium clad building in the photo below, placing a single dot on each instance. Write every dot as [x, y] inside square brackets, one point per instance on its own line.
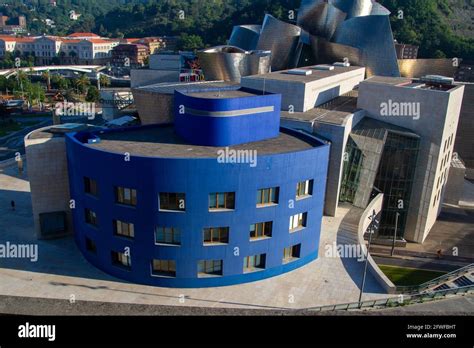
[304, 89]
[175, 213]
[356, 30]
[245, 36]
[320, 18]
[229, 63]
[372, 35]
[432, 111]
[281, 39]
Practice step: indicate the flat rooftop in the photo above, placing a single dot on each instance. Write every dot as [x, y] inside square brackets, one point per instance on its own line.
[163, 142]
[315, 76]
[223, 94]
[169, 88]
[58, 131]
[386, 80]
[417, 83]
[334, 112]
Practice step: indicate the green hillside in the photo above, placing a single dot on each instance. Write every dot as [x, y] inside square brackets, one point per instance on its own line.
[442, 28]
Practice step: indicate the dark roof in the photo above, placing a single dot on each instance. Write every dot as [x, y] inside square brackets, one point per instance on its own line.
[334, 112]
[162, 141]
[315, 76]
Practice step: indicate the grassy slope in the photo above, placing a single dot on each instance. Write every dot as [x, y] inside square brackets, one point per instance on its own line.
[409, 276]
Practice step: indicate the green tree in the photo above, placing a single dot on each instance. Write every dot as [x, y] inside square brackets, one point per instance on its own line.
[189, 42]
[104, 81]
[60, 82]
[82, 83]
[46, 77]
[93, 94]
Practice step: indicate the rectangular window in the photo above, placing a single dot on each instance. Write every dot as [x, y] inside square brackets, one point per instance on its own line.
[291, 253]
[261, 230]
[122, 260]
[210, 268]
[167, 235]
[216, 235]
[304, 189]
[91, 217]
[222, 201]
[268, 196]
[90, 187]
[90, 246]
[124, 229]
[164, 268]
[298, 221]
[126, 196]
[173, 201]
[254, 263]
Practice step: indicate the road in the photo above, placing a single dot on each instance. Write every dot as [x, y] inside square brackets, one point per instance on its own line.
[15, 143]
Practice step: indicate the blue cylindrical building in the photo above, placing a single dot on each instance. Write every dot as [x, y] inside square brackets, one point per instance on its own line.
[152, 208]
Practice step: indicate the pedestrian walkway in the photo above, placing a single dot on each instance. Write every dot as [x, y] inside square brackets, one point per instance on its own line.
[62, 272]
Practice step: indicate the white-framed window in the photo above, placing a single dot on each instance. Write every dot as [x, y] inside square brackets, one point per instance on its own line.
[291, 253]
[254, 263]
[304, 189]
[298, 221]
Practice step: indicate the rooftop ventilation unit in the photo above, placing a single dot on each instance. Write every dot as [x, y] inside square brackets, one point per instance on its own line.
[323, 67]
[67, 128]
[342, 64]
[302, 72]
[442, 80]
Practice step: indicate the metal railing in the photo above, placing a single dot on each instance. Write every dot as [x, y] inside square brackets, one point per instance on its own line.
[435, 282]
[398, 301]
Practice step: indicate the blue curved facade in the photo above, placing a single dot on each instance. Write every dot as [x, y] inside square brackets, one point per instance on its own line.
[197, 178]
[227, 121]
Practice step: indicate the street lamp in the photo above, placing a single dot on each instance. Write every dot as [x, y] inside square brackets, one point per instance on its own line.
[373, 226]
[397, 215]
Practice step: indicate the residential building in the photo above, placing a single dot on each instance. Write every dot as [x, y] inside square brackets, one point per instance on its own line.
[96, 51]
[168, 67]
[47, 50]
[25, 46]
[12, 25]
[7, 44]
[130, 55]
[83, 36]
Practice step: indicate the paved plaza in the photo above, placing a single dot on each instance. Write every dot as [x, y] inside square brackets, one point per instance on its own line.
[61, 271]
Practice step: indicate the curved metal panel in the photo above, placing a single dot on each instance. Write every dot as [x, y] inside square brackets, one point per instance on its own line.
[330, 52]
[245, 36]
[379, 10]
[229, 63]
[354, 8]
[372, 35]
[306, 7]
[321, 19]
[281, 39]
[421, 67]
